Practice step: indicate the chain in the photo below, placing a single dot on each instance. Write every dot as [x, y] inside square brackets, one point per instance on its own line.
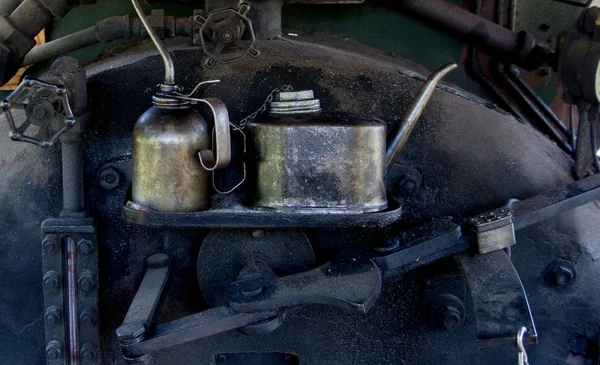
[242, 123]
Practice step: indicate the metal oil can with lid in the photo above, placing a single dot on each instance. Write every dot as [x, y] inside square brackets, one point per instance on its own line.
[173, 154]
[308, 160]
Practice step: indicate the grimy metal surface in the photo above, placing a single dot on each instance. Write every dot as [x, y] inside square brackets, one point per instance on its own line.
[318, 162]
[167, 173]
[471, 157]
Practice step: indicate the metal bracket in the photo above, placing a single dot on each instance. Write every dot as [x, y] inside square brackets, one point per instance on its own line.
[70, 263]
[493, 230]
[499, 299]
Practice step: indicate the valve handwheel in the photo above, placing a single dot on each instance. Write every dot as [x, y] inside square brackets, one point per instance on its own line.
[45, 106]
[227, 35]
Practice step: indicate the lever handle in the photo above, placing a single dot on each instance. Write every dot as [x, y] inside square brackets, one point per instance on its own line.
[220, 155]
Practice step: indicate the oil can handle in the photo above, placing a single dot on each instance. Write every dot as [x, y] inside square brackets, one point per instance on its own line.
[220, 155]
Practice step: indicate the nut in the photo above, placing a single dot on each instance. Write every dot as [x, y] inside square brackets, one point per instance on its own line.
[51, 280]
[88, 316]
[258, 234]
[87, 281]
[563, 276]
[52, 316]
[50, 243]
[53, 350]
[110, 178]
[88, 351]
[86, 247]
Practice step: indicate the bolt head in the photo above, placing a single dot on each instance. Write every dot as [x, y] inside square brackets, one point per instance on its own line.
[86, 247]
[563, 276]
[88, 316]
[451, 319]
[51, 280]
[53, 350]
[109, 178]
[50, 243]
[52, 316]
[86, 282]
[258, 234]
[87, 354]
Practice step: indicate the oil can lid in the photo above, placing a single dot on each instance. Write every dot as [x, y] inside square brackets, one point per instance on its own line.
[294, 102]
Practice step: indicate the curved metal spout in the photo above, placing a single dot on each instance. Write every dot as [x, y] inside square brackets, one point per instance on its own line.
[164, 53]
[416, 109]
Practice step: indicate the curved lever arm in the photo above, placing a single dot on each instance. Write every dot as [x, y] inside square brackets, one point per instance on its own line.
[220, 155]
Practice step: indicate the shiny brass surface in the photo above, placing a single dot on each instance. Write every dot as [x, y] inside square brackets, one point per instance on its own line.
[167, 174]
[328, 162]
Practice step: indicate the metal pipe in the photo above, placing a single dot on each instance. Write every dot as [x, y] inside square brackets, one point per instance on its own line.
[414, 112]
[516, 75]
[594, 143]
[107, 30]
[30, 17]
[558, 137]
[466, 23]
[72, 42]
[164, 53]
[8, 6]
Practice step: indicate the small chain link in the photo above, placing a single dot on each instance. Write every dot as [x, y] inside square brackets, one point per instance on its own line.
[242, 123]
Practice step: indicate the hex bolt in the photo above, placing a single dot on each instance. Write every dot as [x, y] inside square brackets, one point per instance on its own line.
[89, 316]
[53, 350]
[52, 316]
[446, 312]
[86, 281]
[88, 351]
[450, 318]
[258, 234]
[563, 276]
[51, 280]
[50, 243]
[86, 247]
[110, 178]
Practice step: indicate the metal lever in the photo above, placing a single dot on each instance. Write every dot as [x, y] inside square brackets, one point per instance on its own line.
[328, 284]
[147, 304]
[409, 120]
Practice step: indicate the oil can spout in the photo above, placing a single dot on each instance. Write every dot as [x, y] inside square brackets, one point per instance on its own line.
[409, 120]
[169, 84]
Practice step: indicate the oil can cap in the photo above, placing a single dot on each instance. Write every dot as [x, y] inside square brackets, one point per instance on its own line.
[294, 102]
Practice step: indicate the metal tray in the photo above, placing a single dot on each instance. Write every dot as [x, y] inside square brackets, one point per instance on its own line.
[229, 212]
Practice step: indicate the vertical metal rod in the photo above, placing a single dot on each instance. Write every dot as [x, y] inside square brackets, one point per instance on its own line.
[164, 53]
[594, 143]
[558, 137]
[72, 302]
[572, 127]
[512, 19]
[516, 75]
[72, 174]
[410, 118]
